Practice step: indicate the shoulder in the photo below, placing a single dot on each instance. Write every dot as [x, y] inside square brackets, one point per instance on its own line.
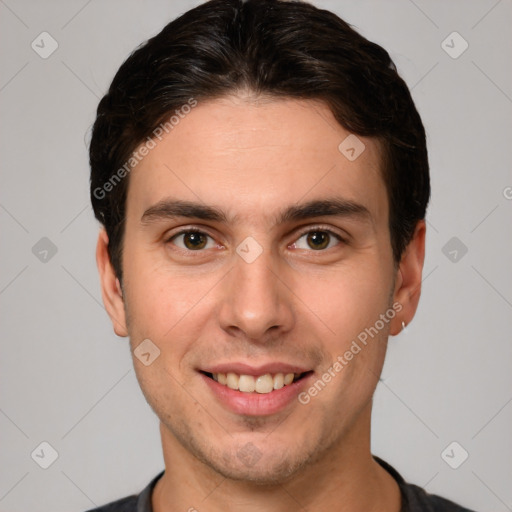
[135, 503]
[418, 500]
[128, 504]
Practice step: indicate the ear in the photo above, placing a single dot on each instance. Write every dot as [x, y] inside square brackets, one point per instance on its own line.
[110, 287]
[408, 279]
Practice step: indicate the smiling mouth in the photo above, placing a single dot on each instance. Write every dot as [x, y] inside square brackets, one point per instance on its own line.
[262, 384]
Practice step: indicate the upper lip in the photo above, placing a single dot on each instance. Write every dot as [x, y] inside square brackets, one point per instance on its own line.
[246, 369]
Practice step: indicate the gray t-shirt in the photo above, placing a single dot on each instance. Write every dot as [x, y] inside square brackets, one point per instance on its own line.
[414, 498]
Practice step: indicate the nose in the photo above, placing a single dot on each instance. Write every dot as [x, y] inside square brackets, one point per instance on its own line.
[257, 302]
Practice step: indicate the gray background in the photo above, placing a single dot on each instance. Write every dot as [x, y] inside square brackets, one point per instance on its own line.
[66, 379]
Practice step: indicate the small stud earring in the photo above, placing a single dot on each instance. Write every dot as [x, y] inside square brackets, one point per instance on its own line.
[403, 326]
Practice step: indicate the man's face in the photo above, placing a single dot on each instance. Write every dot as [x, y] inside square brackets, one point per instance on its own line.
[258, 293]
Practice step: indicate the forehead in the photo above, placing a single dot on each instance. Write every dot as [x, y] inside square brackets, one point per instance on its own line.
[250, 157]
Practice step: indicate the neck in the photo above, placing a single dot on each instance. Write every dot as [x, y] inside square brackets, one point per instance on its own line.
[345, 474]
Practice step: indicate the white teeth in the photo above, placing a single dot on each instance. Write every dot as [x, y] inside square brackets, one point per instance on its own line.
[248, 384]
[278, 381]
[288, 378]
[264, 384]
[232, 380]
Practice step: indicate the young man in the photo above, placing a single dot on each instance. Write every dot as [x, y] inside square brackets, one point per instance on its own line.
[261, 175]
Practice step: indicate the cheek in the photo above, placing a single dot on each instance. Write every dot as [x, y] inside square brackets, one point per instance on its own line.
[348, 299]
[351, 308]
[164, 305]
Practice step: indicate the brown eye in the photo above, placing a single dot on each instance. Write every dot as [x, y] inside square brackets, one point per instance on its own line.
[318, 240]
[192, 240]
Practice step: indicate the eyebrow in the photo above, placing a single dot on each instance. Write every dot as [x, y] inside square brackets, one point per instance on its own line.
[169, 209]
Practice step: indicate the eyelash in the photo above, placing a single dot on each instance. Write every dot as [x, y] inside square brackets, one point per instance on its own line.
[321, 229]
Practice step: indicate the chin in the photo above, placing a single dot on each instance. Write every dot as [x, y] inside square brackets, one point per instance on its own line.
[257, 461]
[269, 469]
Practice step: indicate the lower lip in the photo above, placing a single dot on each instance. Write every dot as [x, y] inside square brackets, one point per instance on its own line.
[256, 404]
